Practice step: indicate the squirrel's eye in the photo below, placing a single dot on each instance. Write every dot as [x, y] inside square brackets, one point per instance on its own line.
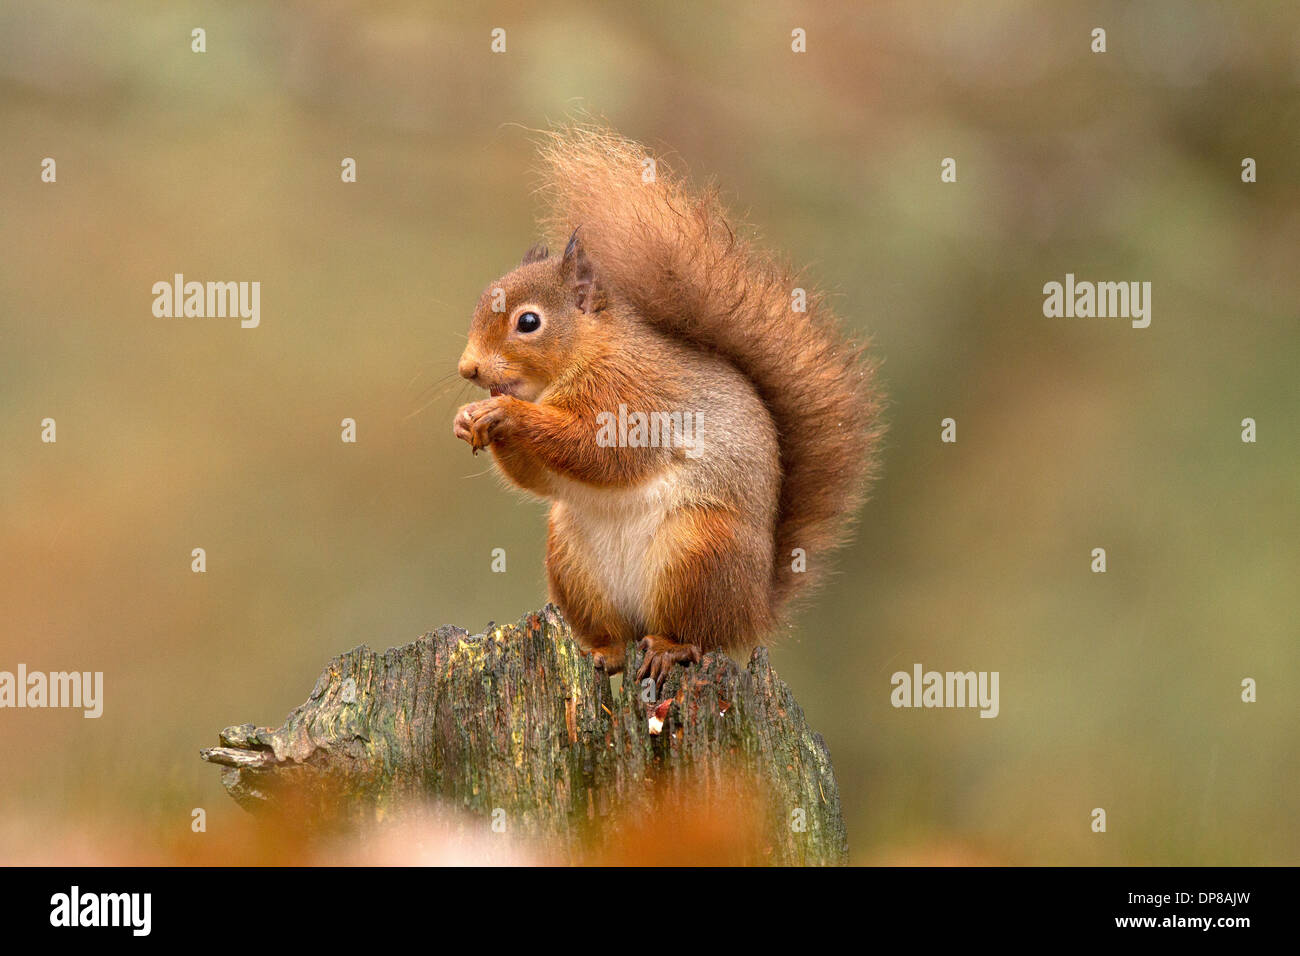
[529, 322]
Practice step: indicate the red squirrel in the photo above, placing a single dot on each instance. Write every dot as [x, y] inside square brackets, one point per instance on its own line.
[702, 429]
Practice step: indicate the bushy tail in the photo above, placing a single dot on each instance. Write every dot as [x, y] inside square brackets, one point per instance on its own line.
[671, 254]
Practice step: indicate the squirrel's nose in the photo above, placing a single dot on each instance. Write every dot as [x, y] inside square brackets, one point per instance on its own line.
[468, 367]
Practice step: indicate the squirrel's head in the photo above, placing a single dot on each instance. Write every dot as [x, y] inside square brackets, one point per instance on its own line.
[530, 324]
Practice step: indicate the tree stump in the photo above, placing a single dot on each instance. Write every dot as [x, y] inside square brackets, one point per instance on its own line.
[516, 729]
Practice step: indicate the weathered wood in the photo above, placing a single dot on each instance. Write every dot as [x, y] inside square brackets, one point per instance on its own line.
[517, 721]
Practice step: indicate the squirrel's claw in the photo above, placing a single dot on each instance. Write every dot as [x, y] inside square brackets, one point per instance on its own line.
[661, 653]
[608, 658]
[476, 422]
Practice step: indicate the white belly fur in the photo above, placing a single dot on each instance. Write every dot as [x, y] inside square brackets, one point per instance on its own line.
[616, 528]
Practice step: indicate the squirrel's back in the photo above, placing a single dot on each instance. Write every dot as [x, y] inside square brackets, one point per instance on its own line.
[671, 254]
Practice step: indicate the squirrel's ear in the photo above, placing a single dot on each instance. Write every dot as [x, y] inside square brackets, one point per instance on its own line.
[536, 254]
[576, 268]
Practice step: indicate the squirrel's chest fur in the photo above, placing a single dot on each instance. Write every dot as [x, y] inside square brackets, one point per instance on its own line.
[614, 531]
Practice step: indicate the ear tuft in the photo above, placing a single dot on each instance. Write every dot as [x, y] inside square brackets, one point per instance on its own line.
[576, 268]
[572, 248]
[535, 254]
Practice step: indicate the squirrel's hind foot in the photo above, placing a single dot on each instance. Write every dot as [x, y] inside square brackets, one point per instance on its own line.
[661, 653]
[609, 658]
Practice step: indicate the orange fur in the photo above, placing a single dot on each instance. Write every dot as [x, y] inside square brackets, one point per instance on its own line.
[600, 627]
[674, 257]
[712, 587]
[658, 304]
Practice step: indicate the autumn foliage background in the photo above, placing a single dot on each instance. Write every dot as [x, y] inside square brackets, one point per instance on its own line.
[1118, 690]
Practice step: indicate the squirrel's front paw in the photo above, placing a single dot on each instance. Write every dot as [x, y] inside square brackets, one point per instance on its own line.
[481, 422]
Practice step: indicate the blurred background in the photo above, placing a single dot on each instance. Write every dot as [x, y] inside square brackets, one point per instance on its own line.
[1118, 690]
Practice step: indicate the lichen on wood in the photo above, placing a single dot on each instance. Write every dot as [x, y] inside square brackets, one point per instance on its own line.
[515, 725]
